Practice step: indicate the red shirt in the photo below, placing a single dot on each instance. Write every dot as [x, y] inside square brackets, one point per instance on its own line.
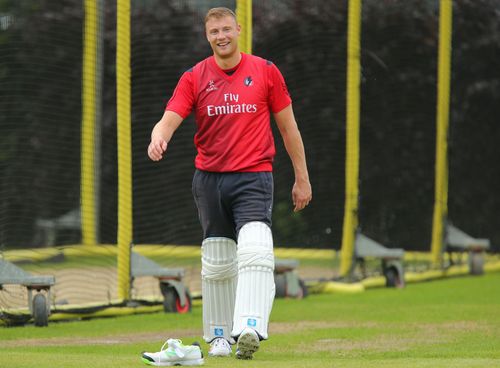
[232, 113]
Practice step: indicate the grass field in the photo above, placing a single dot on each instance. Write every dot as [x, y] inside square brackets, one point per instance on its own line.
[448, 323]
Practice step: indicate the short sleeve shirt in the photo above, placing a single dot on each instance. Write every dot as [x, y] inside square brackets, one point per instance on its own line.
[232, 113]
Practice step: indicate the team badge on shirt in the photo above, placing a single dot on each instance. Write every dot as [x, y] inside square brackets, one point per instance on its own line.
[248, 81]
[211, 86]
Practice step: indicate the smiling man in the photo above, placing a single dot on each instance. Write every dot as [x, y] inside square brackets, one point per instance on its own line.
[222, 34]
[233, 95]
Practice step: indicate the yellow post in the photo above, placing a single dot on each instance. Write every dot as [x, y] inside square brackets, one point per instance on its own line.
[352, 138]
[124, 147]
[442, 116]
[89, 75]
[244, 15]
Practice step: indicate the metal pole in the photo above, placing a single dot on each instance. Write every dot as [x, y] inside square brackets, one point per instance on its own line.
[352, 137]
[124, 142]
[442, 117]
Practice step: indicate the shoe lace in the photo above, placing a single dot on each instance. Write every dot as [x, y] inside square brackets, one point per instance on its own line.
[175, 344]
[220, 342]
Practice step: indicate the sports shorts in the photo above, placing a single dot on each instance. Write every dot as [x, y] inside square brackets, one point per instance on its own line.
[227, 201]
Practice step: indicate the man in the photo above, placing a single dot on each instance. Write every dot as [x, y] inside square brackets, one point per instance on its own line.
[232, 94]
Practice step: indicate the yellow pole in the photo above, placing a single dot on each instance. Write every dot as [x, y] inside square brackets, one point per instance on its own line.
[442, 116]
[352, 137]
[124, 147]
[244, 15]
[89, 75]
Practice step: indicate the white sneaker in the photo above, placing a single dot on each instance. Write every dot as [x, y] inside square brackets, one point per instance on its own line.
[175, 354]
[220, 347]
[248, 343]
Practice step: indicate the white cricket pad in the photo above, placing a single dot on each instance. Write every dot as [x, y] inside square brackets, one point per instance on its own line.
[219, 276]
[256, 289]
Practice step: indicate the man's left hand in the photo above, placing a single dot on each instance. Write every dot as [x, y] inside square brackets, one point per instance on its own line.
[301, 194]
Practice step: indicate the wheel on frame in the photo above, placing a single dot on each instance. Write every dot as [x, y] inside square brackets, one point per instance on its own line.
[280, 284]
[476, 263]
[392, 277]
[172, 301]
[40, 312]
[303, 286]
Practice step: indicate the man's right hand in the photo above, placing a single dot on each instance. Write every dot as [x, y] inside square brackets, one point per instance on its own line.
[157, 148]
[162, 133]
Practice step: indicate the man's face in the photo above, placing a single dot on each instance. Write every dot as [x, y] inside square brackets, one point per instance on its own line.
[222, 34]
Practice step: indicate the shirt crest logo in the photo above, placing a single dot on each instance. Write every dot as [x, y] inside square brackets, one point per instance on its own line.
[248, 81]
[211, 86]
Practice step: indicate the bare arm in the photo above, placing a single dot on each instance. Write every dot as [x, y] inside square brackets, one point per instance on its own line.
[301, 191]
[162, 133]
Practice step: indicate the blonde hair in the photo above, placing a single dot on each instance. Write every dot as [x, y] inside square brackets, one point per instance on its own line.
[218, 13]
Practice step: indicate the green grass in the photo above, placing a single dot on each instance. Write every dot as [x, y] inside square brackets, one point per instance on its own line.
[448, 323]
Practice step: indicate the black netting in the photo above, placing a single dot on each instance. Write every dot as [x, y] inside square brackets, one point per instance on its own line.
[398, 121]
[40, 113]
[474, 203]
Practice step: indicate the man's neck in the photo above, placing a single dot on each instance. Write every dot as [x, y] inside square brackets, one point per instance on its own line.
[229, 62]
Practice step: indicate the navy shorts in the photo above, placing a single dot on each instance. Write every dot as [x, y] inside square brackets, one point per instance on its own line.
[227, 201]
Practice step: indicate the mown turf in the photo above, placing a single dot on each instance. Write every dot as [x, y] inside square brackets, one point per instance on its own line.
[447, 323]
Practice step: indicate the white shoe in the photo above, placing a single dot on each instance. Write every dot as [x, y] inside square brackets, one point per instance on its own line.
[248, 343]
[220, 348]
[175, 354]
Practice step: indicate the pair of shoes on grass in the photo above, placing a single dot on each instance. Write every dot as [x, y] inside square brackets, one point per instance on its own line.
[177, 353]
[248, 344]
